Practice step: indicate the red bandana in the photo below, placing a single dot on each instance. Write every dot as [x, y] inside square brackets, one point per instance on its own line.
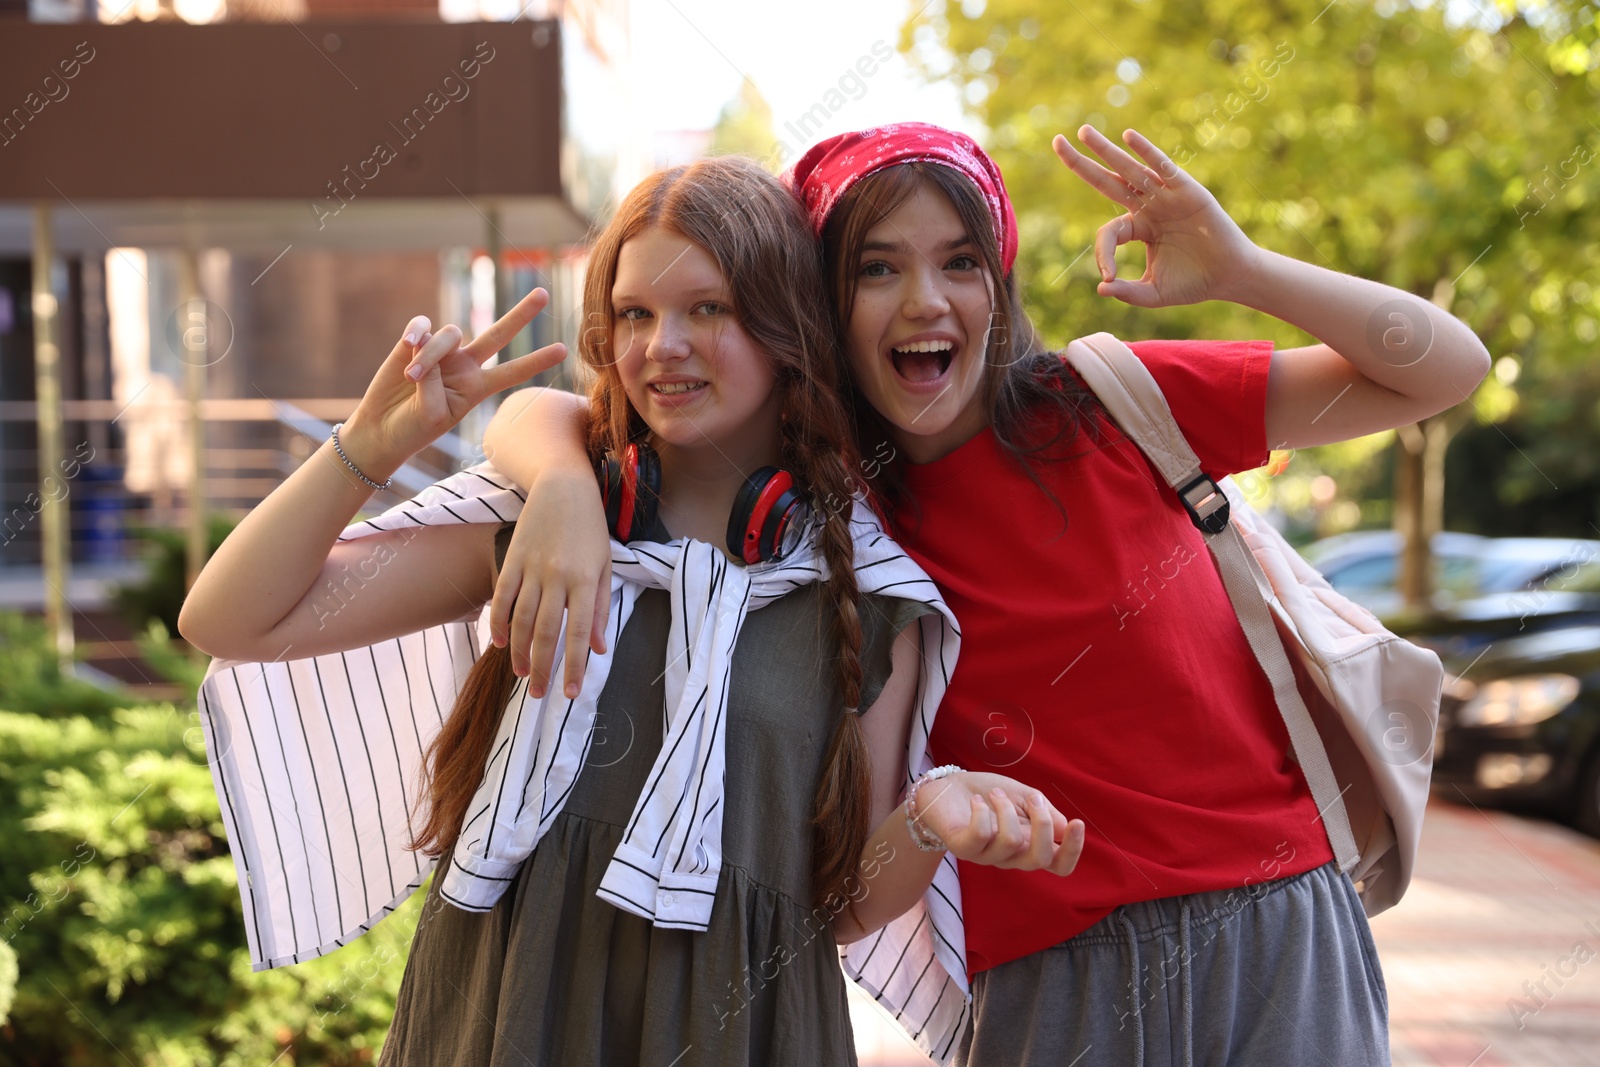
[821, 176]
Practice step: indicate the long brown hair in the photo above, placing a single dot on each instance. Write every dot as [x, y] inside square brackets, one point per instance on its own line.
[759, 236]
[1032, 401]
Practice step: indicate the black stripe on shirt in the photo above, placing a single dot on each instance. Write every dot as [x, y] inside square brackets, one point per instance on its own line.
[355, 835]
[283, 751]
[316, 782]
[227, 795]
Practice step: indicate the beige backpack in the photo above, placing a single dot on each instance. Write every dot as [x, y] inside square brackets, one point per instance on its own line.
[1361, 704]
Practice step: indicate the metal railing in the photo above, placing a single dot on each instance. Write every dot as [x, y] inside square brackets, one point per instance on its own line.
[117, 486]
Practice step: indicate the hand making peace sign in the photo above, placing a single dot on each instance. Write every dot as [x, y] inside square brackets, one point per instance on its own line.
[402, 413]
[1194, 250]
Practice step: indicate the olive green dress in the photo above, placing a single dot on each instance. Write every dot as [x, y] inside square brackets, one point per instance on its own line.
[554, 976]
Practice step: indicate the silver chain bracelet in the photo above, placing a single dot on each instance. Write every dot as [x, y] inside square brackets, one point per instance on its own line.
[340, 449]
[921, 836]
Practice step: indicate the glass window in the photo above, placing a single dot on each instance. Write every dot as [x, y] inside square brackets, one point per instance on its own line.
[1374, 572]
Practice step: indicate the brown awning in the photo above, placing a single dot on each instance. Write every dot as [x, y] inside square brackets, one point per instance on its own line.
[256, 135]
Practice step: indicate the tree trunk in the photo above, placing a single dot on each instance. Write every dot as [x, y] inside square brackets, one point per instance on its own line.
[1413, 577]
[1419, 504]
[1419, 489]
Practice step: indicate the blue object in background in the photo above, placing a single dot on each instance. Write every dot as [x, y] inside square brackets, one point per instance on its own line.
[101, 503]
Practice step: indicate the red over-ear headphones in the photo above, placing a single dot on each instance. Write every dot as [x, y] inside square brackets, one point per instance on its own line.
[768, 516]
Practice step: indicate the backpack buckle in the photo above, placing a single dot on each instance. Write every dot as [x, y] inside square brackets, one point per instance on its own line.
[1206, 504]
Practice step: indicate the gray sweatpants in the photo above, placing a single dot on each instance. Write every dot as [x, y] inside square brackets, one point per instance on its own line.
[1280, 973]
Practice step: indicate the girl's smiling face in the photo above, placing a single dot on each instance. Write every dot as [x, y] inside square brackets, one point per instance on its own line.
[919, 325]
[689, 368]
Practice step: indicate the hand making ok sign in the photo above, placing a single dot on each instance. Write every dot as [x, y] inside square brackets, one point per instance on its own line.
[1194, 251]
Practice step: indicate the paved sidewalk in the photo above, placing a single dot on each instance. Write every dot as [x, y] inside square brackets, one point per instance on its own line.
[1492, 960]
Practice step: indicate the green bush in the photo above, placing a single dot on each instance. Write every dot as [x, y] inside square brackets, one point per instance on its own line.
[30, 675]
[160, 594]
[169, 660]
[119, 899]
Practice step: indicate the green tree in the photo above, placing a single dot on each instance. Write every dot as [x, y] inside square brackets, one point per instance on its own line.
[8, 980]
[745, 126]
[1457, 161]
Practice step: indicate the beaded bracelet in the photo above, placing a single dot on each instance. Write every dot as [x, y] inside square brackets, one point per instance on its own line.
[339, 449]
[924, 838]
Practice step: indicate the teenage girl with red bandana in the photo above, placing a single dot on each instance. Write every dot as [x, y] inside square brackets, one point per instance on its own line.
[1102, 661]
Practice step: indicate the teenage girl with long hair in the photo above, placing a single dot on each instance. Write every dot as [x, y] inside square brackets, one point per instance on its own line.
[680, 902]
[1103, 663]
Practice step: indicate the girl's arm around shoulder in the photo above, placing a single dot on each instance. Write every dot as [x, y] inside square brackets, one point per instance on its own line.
[537, 440]
[536, 430]
[982, 818]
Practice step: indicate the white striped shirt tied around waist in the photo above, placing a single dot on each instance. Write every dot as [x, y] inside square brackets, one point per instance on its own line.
[317, 762]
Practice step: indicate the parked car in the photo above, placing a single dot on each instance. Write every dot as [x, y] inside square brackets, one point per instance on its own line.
[1519, 722]
[1364, 565]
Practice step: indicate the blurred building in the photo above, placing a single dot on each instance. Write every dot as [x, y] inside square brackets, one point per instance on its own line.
[285, 273]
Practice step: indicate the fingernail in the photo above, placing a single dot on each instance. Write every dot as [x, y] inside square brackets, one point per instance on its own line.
[572, 690]
[411, 338]
[414, 372]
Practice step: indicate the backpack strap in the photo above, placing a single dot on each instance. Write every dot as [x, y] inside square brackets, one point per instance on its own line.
[1128, 391]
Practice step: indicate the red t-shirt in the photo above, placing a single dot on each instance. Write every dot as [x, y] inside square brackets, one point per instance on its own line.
[1104, 665]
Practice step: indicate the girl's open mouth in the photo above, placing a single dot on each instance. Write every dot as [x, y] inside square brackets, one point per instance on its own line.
[923, 361]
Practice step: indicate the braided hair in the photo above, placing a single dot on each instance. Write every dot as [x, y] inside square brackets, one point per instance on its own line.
[758, 234]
